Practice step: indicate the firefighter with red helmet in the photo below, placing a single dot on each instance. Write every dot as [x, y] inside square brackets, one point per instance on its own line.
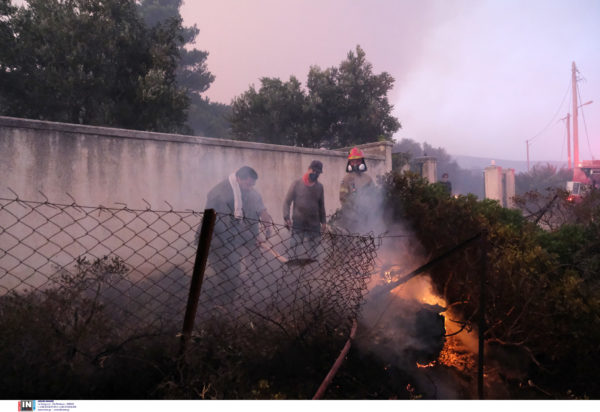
[356, 179]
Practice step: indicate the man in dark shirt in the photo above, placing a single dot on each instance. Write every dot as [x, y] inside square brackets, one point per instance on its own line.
[308, 211]
[250, 204]
[446, 184]
[238, 207]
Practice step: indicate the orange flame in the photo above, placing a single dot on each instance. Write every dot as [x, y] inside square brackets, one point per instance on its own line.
[427, 365]
[419, 288]
[457, 351]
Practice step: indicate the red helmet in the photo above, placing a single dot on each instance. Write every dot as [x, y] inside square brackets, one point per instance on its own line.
[355, 153]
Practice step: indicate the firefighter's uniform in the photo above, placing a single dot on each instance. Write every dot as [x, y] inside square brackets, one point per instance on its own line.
[352, 183]
[356, 178]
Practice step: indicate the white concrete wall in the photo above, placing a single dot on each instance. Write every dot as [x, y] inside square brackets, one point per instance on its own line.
[426, 166]
[509, 188]
[106, 166]
[493, 183]
[500, 185]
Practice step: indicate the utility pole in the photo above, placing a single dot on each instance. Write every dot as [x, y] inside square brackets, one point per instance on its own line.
[575, 122]
[568, 119]
[527, 143]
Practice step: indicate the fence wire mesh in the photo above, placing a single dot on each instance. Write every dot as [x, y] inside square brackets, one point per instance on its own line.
[126, 273]
[292, 282]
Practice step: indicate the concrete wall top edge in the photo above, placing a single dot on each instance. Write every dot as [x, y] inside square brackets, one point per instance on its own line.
[166, 137]
[366, 146]
[371, 144]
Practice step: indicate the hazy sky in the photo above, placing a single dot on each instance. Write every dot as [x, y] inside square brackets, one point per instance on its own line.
[475, 77]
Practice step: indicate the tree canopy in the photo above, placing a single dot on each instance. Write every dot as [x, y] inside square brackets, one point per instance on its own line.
[463, 181]
[341, 106]
[208, 118]
[542, 177]
[112, 62]
[192, 74]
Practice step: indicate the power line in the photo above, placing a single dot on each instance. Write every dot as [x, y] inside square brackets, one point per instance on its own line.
[562, 149]
[587, 136]
[553, 117]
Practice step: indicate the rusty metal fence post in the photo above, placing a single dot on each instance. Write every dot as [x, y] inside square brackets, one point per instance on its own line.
[206, 231]
[336, 365]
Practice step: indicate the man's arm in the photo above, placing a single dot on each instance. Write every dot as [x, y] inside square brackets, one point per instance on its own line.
[289, 198]
[266, 217]
[217, 199]
[263, 215]
[260, 208]
[344, 190]
[322, 216]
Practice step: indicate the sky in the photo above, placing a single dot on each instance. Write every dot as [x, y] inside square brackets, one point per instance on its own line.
[476, 77]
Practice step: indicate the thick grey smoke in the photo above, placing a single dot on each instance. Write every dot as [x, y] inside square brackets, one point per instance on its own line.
[402, 326]
[407, 327]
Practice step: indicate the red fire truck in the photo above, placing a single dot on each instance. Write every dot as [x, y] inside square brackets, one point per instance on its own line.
[585, 176]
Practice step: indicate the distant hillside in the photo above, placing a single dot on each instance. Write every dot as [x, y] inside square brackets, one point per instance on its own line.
[479, 163]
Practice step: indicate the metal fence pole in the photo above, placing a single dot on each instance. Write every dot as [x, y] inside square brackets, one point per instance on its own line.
[206, 231]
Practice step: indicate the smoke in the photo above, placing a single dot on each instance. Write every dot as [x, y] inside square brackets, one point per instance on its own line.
[405, 328]
[402, 326]
[363, 212]
[401, 329]
[405, 325]
[398, 315]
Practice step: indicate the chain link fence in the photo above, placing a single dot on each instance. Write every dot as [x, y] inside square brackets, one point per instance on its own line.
[264, 277]
[125, 274]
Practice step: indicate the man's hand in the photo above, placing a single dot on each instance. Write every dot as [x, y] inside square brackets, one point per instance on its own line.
[265, 217]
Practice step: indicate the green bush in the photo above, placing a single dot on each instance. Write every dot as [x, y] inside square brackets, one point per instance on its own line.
[542, 289]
